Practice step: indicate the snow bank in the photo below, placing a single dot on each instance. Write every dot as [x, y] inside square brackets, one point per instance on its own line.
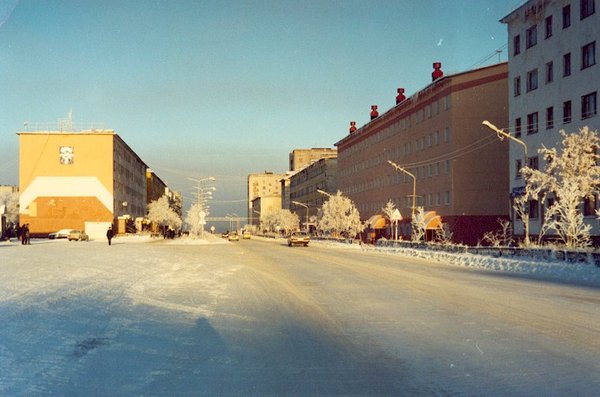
[580, 273]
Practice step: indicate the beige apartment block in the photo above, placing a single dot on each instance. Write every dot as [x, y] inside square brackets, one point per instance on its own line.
[264, 206]
[262, 185]
[300, 158]
[305, 200]
[460, 166]
[81, 180]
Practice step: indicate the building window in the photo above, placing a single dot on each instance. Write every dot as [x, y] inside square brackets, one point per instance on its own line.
[517, 45]
[533, 163]
[588, 106]
[518, 166]
[550, 118]
[588, 55]
[549, 72]
[517, 85]
[531, 37]
[532, 80]
[567, 64]
[534, 209]
[567, 112]
[532, 123]
[589, 205]
[517, 127]
[548, 26]
[566, 16]
[447, 197]
[587, 8]
[446, 134]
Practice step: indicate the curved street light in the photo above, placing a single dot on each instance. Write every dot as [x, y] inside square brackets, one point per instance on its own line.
[501, 135]
[305, 206]
[414, 195]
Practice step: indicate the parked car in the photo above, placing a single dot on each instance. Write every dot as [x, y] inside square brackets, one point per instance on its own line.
[225, 235]
[234, 236]
[62, 233]
[77, 235]
[298, 238]
[246, 235]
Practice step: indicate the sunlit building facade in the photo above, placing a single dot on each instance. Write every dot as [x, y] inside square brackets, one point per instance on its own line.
[79, 180]
[553, 85]
[460, 167]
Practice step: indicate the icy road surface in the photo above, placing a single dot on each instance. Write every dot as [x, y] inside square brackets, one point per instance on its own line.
[260, 318]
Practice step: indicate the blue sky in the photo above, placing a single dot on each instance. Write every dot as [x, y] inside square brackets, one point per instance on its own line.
[227, 88]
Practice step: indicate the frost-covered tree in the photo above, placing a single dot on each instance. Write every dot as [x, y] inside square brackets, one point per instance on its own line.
[500, 237]
[570, 175]
[283, 220]
[160, 212]
[521, 207]
[11, 202]
[339, 216]
[418, 225]
[393, 215]
[196, 218]
[444, 234]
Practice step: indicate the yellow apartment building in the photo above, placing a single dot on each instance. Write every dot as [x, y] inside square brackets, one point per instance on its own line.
[300, 158]
[460, 166]
[80, 180]
[262, 185]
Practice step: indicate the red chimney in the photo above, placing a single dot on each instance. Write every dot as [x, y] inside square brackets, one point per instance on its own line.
[400, 97]
[352, 126]
[374, 112]
[437, 71]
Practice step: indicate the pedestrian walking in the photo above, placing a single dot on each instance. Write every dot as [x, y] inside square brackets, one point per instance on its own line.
[27, 236]
[109, 234]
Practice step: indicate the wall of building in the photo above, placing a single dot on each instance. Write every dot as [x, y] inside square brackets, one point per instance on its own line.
[65, 179]
[261, 185]
[321, 174]
[130, 189]
[549, 93]
[300, 158]
[459, 165]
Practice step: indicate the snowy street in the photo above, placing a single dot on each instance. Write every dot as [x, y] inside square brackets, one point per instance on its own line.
[259, 318]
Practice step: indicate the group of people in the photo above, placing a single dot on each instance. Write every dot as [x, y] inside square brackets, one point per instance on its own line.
[24, 234]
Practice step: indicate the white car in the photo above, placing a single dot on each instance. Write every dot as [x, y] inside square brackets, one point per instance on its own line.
[62, 233]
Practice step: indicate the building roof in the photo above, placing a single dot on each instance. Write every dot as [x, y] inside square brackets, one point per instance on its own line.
[417, 97]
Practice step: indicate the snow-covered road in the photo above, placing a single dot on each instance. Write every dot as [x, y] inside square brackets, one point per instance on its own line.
[259, 318]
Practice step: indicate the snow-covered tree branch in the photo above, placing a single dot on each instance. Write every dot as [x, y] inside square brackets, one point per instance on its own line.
[339, 216]
[160, 212]
[570, 175]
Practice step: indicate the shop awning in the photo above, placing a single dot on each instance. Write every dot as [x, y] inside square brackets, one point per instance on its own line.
[376, 222]
[432, 221]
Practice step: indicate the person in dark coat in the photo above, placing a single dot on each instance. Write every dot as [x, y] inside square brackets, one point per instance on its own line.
[109, 234]
[26, 235]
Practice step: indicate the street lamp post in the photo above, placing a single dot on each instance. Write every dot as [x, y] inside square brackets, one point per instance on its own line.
[305, 206]
[324, 193]
[414, 195]
[501, 135]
